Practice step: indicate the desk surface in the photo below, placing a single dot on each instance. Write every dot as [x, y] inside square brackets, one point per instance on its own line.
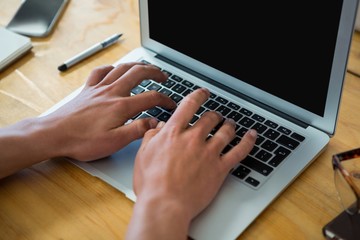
[56, 200]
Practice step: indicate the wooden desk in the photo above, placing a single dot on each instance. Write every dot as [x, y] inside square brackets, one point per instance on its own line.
[56, 200]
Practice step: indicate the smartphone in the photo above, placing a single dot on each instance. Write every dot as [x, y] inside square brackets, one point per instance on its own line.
[343, 227]
[36, 18]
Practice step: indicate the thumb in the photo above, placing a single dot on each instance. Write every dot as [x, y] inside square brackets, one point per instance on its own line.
[151, 133]
[136, 129]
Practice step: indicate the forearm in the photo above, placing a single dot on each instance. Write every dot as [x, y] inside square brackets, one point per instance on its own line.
[158, 219]
[24, 144]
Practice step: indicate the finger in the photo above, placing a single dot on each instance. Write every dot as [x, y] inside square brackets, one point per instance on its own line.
[136, 129]
[98, 74]
[160, 125]
[136, 74]
[118, 71]
[223, 136]
[207, 122]
[188, 107]
[240, 151]
[146, 100]
[150, 134]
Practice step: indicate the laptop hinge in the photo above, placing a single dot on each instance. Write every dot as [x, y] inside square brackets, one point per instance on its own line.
[236, 93]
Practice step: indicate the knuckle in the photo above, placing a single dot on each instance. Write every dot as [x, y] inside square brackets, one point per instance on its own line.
[213, 116]
[142, 126]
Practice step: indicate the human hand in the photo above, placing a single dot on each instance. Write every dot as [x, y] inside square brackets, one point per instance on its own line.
[178, 169]
[91, 125]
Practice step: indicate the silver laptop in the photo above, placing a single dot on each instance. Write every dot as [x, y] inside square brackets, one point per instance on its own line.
[269, 66]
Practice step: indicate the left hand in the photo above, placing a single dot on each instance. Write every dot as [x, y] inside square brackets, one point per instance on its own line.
[91, 125]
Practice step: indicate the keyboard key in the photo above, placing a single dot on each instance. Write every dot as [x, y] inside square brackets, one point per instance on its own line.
[270, 124]
[254, 150]
[168, 83]
[252, 181]
[176, 78]
[245, 111]
[187, 83]
[222, 100]
[257, 166]
[241, 132]
[144, 83]
[143, 115]
[178, 88]
[241, 172]
[260, 128]
[259, 140]
[137, 90]
[297, 137]
[176, 98]
[154, 86]
[258, 118]
[164, 116]
[235, 141]
[187, 92]
[233, 106]
[271, 134]
[200, 111]
[263, 155]
[246, 122]
[211, 104]
[280, 154]
[287, 142]
[269, 145]
[167, 72]
[235, 115]
[284, 130]
[223, 110]
[154, 111]
[212, 95]
[165, 91]
[194, 119]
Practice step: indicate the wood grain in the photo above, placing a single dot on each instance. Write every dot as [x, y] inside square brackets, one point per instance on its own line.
[57, 200]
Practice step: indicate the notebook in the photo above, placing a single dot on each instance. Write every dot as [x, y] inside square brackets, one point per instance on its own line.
[274, 67]
[13, 46]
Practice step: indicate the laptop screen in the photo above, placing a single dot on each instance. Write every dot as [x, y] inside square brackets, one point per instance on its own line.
[283, 48]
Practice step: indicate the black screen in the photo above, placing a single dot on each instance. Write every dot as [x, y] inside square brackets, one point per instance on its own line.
[285, 48]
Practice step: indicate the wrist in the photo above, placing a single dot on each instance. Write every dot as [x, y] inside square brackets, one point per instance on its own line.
[36, 137]
[153, 218]
[23, 144]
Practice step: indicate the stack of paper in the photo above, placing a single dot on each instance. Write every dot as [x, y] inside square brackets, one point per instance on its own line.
[12, 47]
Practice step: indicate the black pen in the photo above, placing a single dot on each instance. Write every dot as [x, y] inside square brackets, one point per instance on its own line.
[89, 52]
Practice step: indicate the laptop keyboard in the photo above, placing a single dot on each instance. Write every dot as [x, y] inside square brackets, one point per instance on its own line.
[274, 142]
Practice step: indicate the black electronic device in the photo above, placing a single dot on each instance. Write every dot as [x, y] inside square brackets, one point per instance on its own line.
[36, 18]
[344, 226]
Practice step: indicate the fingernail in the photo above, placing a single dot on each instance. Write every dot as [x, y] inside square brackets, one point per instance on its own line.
[219, 113]
[206, 91]
[252, 132]
[160, 124]
[165, 74]
[231, 121]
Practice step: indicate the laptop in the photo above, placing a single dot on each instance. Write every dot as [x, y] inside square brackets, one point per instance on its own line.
[277, 68]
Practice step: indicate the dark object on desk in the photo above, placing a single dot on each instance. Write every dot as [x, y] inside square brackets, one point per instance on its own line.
[344, 227]
[37, 18]
[13, 46]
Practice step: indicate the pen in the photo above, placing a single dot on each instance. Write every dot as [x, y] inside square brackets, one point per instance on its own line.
[89, 52]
